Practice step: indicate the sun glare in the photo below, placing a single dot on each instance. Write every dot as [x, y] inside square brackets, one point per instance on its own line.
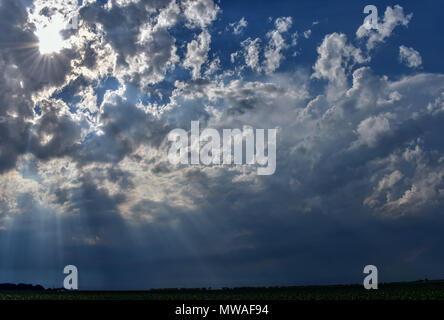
[50, 39]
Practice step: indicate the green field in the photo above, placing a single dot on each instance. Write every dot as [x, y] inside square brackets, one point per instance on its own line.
[430, 290]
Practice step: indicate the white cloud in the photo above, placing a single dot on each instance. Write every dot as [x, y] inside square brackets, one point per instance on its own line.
[169, 16]
[251, 53]
[273, 51]
[370, 129]
[335, 58]
[156, 54]
[283, 24]
[393, 17]
[197, 53]
[421, 186]
[278, 40]
[410, 57]
[200, 13]
[238, 27]
[213, 67]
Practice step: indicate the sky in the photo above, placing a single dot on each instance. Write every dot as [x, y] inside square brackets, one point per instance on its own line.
[89, 91]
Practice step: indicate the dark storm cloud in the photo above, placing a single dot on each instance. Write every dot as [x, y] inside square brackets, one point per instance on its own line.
[125, 28]
[15, 104]
[125, 127]
[24, 72]
[58, 127]
[14, 139]
[121, 24]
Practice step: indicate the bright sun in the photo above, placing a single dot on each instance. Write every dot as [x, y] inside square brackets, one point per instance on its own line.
[50, 39]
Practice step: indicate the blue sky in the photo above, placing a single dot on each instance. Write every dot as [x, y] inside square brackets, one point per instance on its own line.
[84, 173]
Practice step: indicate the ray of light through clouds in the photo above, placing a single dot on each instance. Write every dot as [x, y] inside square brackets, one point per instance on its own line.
[89, 91]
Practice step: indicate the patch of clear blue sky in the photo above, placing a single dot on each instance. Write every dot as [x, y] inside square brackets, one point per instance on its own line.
[424, 34]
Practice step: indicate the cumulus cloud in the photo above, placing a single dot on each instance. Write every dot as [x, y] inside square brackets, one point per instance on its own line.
[335, 57]
[393, 17]
[200, 13]
[251, 53]
[197, 53]
[238, 27]
[213, 67]
[371, 128]
[410, 57]
[273, 54]
[145, 50]
[267, 59]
